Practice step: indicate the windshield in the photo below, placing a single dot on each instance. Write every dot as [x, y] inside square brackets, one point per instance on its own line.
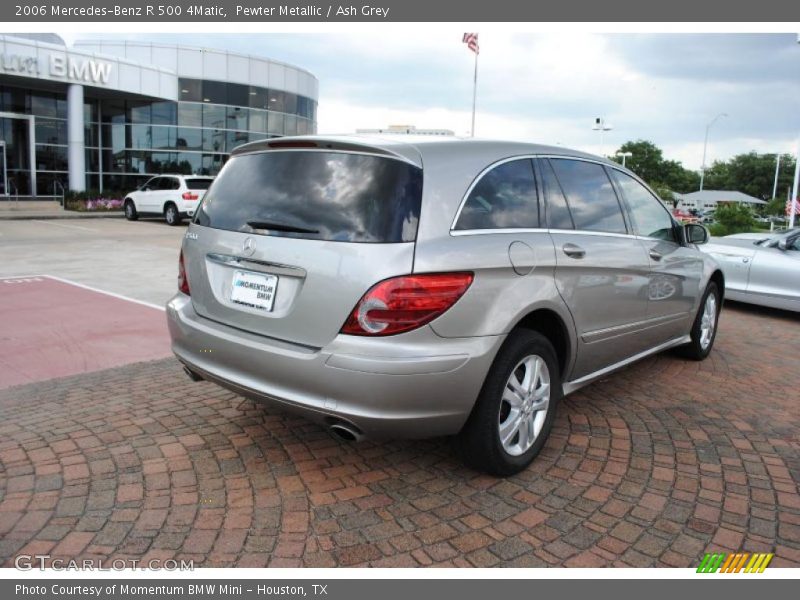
[334, 196]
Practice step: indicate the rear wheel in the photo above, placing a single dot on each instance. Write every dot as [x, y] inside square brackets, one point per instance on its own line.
[172, 215]
[515, 410]
[130, 210]
[704, 329]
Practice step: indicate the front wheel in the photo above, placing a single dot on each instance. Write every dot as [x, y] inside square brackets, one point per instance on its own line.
[516, 408]
[130, 210]
[172, 215]
[704, 328]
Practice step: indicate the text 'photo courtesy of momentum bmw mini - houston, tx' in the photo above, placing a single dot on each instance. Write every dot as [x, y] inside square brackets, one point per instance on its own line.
[418, 288]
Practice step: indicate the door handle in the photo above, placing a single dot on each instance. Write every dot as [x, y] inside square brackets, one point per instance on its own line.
[745, 260]
[656, 255]
[573, 251]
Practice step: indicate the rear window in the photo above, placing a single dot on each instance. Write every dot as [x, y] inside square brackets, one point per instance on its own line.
[198, 184]
[330, 196]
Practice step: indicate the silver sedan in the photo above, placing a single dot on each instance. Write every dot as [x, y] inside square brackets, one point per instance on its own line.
[760, 268]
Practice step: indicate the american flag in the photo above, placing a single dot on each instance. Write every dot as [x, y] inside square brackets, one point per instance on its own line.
[796, 207]
[471, 40]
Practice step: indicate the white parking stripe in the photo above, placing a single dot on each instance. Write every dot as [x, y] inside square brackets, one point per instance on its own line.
[98, 290]
[63, 225]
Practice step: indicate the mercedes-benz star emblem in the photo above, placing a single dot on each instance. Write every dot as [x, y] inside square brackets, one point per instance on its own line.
[249, 247]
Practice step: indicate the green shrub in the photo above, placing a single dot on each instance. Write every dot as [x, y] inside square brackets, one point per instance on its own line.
[732, 218]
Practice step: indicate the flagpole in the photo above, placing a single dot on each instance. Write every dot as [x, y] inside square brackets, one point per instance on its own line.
[793, 203]
[474, 94]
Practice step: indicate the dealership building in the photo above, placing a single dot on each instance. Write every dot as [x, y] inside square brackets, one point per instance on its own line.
[108, 114]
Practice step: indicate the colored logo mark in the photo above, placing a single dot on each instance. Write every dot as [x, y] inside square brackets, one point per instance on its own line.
[720, 562]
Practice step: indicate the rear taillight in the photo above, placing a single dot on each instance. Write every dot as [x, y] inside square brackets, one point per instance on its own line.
[405, 303]
[190, 196]
[183, 281]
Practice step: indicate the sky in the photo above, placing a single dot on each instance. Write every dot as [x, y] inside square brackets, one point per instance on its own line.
[549, 88]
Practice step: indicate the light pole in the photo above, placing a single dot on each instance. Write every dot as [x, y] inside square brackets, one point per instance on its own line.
[777, 169]
[705, 147]
[624, 155]
[601, 126]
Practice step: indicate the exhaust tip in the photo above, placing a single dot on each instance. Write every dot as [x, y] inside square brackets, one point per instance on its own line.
[191, 374]
[346, 432]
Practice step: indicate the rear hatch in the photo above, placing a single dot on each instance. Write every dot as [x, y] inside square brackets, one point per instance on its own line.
[287, 240]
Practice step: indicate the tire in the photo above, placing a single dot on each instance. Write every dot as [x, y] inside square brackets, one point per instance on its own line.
[130, 210]
[702, 339]
[479, 442]
[172, 215]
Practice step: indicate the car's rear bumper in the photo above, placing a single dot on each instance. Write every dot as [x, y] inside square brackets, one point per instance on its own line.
[414, 385]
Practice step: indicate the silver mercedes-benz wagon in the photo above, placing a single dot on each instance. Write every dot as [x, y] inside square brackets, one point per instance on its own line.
[416, 288]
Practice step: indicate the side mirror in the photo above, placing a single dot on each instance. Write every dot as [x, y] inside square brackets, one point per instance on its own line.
[696, 234]
[783, 245]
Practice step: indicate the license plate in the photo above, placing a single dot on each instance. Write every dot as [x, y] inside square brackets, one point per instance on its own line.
[254, 290]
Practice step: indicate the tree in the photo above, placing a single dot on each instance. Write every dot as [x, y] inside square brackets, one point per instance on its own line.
[733, 218]
[667, 176]
[751, 173]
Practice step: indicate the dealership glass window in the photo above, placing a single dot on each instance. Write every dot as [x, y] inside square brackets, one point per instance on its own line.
[275, 123]
[51, 158]
[236, 118]
[238, 94]
[190, 162]
[257, 97]
[92, 159]
[302, 126]
[215, 92]
[258, 121]
[115, 161]
[164, 113]
[191, 90]
[164, 137]
[141, 137]
[90, 134]
[46, 183]
[43, 104]
[235, 138]
[290, 103]
[214, 116]
[214, 140]
[277, 100]
[15, 100]
[189, 138]
[212, 163]
[113, 111]
[90, 111]
[139, 112]
[190, 114]
[290, 125]
[51, 131]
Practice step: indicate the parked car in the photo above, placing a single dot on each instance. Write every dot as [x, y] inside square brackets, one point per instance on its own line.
[390, 288]
[760, 268]
[171, 196]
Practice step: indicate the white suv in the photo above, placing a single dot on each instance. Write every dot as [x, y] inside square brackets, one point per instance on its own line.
[171, 196]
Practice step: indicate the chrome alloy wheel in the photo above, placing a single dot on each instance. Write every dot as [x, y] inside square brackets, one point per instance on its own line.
[708, 321]
[523, 408]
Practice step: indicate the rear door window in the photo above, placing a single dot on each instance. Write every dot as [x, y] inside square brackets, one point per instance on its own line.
[334, 196]
[558, 216]
[504, 198]
[592, 200]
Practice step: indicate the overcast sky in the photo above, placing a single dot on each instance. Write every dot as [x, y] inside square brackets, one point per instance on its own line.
[549, 88]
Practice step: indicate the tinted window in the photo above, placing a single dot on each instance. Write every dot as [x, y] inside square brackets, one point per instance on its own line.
[168, 183]
[198, 184]
[557, 212]
[152, 184]
[331, 195]
[504, 198]
[650, 217]
[592, 201]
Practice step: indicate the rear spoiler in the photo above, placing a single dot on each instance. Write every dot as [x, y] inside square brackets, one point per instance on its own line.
[400, 151]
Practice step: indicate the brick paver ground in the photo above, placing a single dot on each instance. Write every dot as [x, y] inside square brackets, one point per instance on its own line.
[650, 467]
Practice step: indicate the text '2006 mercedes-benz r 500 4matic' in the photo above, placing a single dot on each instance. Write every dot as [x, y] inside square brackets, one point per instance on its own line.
[417, 288]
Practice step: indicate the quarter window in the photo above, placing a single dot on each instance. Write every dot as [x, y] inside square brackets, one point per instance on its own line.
[592, 201]
[650, 217]
[504, 198]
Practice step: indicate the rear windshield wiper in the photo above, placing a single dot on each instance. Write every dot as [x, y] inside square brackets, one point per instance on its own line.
[275, 226]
